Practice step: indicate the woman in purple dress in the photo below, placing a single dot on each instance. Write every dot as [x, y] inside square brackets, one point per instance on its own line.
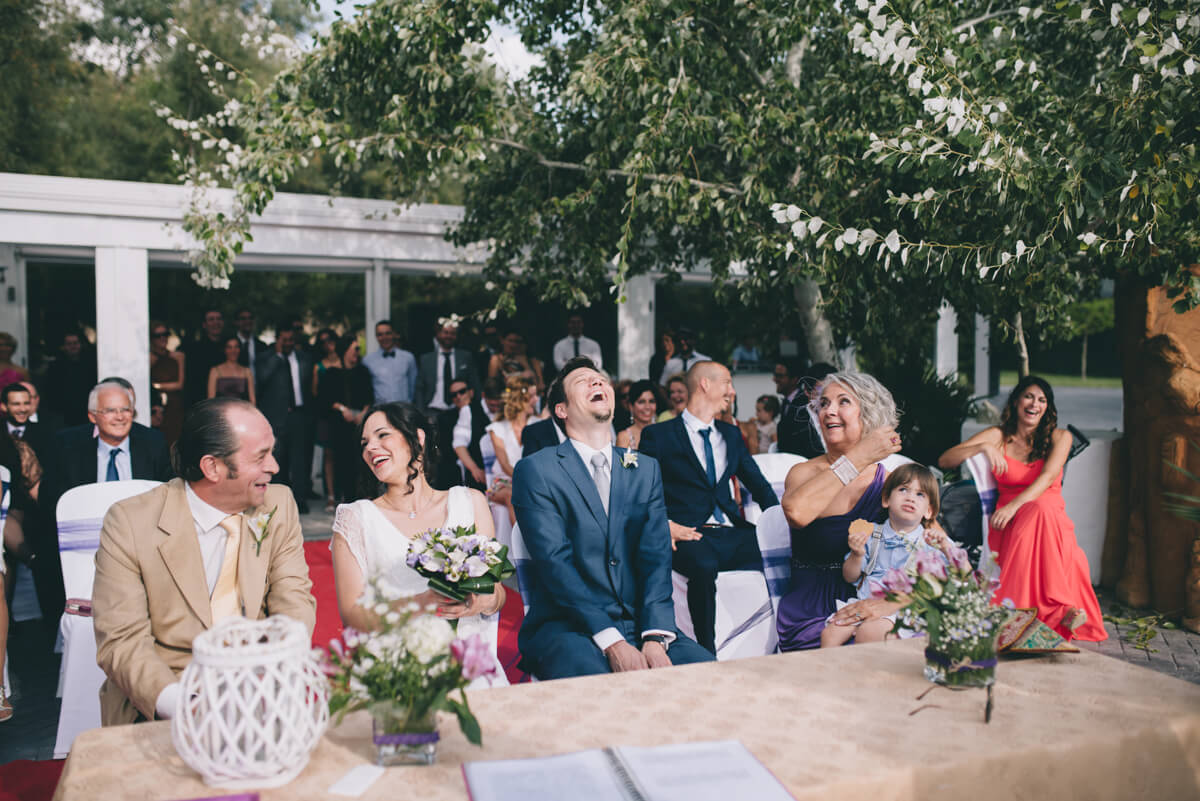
[857, 418]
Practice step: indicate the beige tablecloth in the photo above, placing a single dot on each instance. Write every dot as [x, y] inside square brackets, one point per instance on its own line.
[838, 724]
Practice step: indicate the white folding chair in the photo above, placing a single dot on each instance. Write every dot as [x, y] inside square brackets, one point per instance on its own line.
[5, 500]
[980, 470]
[745, 620]
[774, 467]
[775, 543]
[80, 514]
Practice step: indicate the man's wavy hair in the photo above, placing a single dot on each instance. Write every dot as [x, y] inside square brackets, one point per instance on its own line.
[877, 407]
[1043, 435]
[406, 420]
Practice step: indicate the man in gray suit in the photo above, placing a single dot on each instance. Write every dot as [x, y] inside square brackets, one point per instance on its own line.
[438, 368]
[283, 380]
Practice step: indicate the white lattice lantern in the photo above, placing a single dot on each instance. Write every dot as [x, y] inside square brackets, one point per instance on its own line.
[254, 704]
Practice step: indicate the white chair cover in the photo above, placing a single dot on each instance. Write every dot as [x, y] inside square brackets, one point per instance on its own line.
[745, 620]
[980, 470]
[774, 467]
[775, 544]
[5, 499]
[80, 514]
[519, 555]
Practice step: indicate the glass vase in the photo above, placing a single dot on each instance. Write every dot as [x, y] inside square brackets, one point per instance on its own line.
[961, 663]
[403, 739]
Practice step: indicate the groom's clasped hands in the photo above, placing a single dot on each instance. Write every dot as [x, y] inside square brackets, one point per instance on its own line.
[622, 656]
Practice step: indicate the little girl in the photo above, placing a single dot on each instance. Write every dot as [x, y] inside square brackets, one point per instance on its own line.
[766, 410]
[910, 496]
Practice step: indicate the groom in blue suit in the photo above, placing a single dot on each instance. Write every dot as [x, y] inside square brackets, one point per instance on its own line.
[595, 523]
[700, 455]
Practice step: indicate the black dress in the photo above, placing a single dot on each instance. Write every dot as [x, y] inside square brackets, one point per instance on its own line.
[351, 388]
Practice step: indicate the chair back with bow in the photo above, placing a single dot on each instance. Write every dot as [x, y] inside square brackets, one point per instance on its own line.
[81, 513]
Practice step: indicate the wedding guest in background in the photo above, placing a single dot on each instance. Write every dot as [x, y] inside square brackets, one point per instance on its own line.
[203, 354]
[513, 361]
[575, 344]
[438, 368]
[345, 396]
[50, 420]
[69, 379]
[327, 347]
[622, 415]
[393, 369]
[663, 353]
[230, 379]
[824, 495]
[468, 433]
[167, 372]
[795, 432]
[489, 346]
[644, 403]
[1041, 563]
[493, 398]
[252, 346]
[596, 529]
[677, 398]
[699, 456]
[25, 472]
[766, 410]
[158, 403]
[684, 358]
[180, 558]
[547, 433]
[18, 413]
[520, 399]
[10, 372]
[284, 395]
[745, 355]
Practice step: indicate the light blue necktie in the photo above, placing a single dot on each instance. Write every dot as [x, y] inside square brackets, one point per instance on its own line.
[111, 474]
[710, 467]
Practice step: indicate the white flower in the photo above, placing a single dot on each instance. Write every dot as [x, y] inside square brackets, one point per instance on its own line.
[427, 637]
[629, 459]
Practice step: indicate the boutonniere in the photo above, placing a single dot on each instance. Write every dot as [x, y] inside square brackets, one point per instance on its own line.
[629, 459]
[258, 528]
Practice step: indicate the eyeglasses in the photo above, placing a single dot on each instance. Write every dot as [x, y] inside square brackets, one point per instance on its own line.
[113, 412]
[454, 393]
[160, 335]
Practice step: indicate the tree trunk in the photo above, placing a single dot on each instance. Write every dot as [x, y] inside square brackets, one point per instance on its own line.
[1022, 348]
[818, 333]
[1083, 360]
[1160, 358]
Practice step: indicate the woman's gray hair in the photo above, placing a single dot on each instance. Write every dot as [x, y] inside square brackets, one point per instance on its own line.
[94, 395]
[877, 407]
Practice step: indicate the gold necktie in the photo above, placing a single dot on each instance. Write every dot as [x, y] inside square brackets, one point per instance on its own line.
[225, 601]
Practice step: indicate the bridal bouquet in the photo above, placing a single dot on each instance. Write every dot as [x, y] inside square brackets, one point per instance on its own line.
[458, 561]
[951, 603]
[403, 673]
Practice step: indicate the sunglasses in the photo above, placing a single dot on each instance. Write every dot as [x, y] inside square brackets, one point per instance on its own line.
[160, 334]
[454, 393]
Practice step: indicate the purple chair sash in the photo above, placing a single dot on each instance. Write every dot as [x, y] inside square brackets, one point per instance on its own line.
[79, 535]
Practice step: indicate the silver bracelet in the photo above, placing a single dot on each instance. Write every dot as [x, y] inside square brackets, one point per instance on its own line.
[845, 470]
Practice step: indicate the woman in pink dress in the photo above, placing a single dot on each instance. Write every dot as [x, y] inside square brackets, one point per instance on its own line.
[1041, 564]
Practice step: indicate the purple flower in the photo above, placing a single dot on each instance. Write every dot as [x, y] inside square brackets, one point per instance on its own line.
[412, 558]
[929, 563]
[958, 558]
[475, 657]
[476, 567]
[877, 590]
[897, 581]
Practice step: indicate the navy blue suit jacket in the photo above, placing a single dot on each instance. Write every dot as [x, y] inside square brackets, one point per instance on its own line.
[690, 496]
[591, 570]
[542, 434]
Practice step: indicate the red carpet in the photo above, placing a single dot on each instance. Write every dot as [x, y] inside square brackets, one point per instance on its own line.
[27, 780]
[329, 623]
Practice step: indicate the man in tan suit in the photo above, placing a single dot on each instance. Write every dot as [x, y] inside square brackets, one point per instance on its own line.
[177, 559]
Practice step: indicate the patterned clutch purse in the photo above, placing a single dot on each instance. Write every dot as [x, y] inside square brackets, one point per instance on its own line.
[1023, 633]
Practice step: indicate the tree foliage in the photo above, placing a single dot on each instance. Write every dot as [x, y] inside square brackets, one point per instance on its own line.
[899, 153]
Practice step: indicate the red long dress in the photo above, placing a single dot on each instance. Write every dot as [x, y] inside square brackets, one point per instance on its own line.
[1041, 564]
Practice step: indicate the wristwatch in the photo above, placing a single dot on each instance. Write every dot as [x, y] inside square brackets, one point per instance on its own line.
[661, 639]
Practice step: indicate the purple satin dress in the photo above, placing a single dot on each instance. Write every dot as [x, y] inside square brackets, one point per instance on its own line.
[818, 552]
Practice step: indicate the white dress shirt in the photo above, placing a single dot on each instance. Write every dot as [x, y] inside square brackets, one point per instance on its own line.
[439, 391]
[611, 635]
[564, 351]
[212, 538]
[15, 430]
[294, 368]
[692, 424]
[124, 466]
[678, 364]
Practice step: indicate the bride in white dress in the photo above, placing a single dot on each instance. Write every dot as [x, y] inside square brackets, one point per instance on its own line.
[373, 536]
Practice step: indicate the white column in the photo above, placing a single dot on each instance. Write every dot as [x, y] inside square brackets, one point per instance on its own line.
[635, 328]
[123, 320]
[13, 314]
[945, 350]
[982, 355]
[379, 299]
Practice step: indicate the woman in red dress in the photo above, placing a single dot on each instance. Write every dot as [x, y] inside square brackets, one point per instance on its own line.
[1041, 564]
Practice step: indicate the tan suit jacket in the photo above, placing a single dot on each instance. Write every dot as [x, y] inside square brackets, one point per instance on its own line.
[150, 597]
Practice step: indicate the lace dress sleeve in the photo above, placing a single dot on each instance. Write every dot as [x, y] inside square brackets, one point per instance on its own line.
[348, 524]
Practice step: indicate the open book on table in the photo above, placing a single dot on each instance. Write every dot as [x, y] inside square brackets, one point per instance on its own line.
[712, 771]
